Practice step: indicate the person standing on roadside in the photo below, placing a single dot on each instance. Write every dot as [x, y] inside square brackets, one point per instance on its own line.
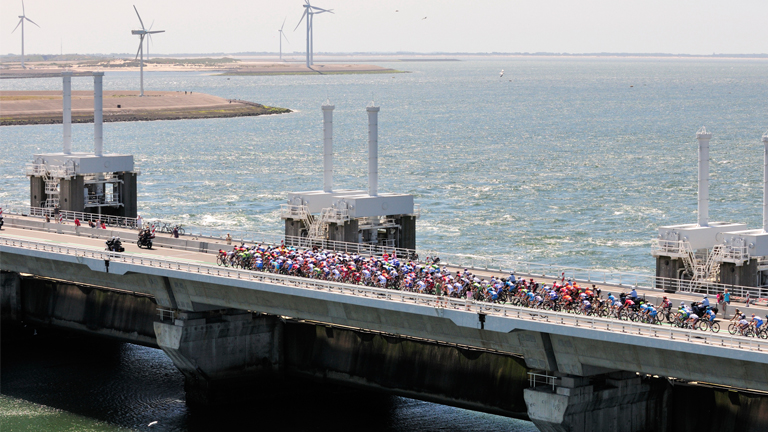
[726, 302]
[229, 240]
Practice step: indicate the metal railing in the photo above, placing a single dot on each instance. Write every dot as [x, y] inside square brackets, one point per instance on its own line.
[542, 378]
[498, 310]
[475, 263]
[70, 216]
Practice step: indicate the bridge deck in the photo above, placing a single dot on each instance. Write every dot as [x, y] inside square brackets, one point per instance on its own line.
[177, 253]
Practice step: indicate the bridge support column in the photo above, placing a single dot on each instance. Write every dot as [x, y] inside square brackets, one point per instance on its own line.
[225, 357]
[619, 401]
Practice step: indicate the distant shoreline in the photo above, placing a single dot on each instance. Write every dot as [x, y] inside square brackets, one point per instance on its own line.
[45, 107]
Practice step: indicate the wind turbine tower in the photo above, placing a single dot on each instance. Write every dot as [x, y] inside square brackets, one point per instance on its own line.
[23, 17]
[309, 12]
[282, 35]
[141, 33]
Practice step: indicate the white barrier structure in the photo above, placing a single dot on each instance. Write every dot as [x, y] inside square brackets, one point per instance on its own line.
[356, 216]
[81, 181]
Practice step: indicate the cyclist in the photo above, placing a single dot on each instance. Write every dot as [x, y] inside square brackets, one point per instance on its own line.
[585, 306]
[692, 319]
[757, 322]
[710, 314]
[743, 323]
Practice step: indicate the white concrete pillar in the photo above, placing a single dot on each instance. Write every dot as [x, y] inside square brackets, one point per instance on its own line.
[66, 120]
[703, 136]
[328, 146]
[373, 150]
[98, 119]
[765, 182]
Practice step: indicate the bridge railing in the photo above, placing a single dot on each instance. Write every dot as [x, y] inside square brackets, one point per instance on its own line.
[500, 264]
[498, 310]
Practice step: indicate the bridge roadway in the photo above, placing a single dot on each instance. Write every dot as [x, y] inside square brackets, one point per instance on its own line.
[189, 248]
[557, 342]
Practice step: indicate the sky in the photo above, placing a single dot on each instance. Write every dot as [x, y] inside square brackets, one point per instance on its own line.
[555, 26]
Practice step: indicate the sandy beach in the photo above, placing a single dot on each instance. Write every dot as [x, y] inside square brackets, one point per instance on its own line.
[45, 107]
[212, 66]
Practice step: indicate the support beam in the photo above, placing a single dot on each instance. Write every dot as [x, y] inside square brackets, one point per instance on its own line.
[223, 356]
[619, 402]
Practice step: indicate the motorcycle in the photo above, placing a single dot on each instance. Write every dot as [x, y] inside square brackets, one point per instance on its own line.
[145, 240]
[115, 245]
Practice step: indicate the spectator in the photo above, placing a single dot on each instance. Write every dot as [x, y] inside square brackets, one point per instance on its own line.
[175, 232]
[91, 224]
[103, 225]
[726, 302]
[229, 239]
[139, 222]
[47, 219]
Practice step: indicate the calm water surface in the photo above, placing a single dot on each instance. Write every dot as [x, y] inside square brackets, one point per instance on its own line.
[567, 161]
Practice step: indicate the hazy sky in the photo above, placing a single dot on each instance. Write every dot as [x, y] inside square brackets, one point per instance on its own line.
[573, 26]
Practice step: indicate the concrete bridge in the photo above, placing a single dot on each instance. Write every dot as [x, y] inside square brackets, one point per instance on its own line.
[592, 363]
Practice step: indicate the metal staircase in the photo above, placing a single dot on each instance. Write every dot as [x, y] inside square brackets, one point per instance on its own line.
[707, 269]
[52, 188]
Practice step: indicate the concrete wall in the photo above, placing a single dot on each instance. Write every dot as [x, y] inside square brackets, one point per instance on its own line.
[71, 195]
[745, 275]
[576, 350]
[346, 232]
[36, 191]
[224, 358]
[10, 296]
[478, 380]
[129, 194]
[49, 303]
[618, 402]
[407, 234]
[705, 409]
[669, 268]
[293, 227]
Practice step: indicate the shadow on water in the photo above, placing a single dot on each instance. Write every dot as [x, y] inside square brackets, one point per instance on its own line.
[130, 386]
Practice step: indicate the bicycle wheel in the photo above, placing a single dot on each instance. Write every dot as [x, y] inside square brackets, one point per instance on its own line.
[715, 327]
[219, 260]
[763, 333]
[732, 329]
[181, 231]
[702, 325]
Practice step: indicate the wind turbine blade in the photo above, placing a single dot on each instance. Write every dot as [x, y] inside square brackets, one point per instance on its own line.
[302, 19]
[22, 9]
[17, 25]
[156, 31]
[151, 25]
[31, 21]
[141, 41]
[321, 9]
[286, 39]
[137, 14]
[281, 27]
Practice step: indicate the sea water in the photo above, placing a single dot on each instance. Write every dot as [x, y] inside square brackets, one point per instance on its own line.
[566, 161]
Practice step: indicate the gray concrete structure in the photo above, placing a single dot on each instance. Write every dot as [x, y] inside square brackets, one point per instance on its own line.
[744, 275]
[565, 345]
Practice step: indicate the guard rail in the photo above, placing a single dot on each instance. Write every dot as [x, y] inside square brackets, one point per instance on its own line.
[508, 311]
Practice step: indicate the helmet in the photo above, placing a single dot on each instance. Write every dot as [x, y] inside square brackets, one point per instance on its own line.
[705, 296]
[682, 303]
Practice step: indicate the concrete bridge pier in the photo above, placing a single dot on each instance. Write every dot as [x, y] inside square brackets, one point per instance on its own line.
[618, 401]
[225, 356]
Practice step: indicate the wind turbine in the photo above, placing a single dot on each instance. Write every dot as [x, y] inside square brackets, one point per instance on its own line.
[143, 32]
[282, 35]
[23, 17]
[309, 12]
